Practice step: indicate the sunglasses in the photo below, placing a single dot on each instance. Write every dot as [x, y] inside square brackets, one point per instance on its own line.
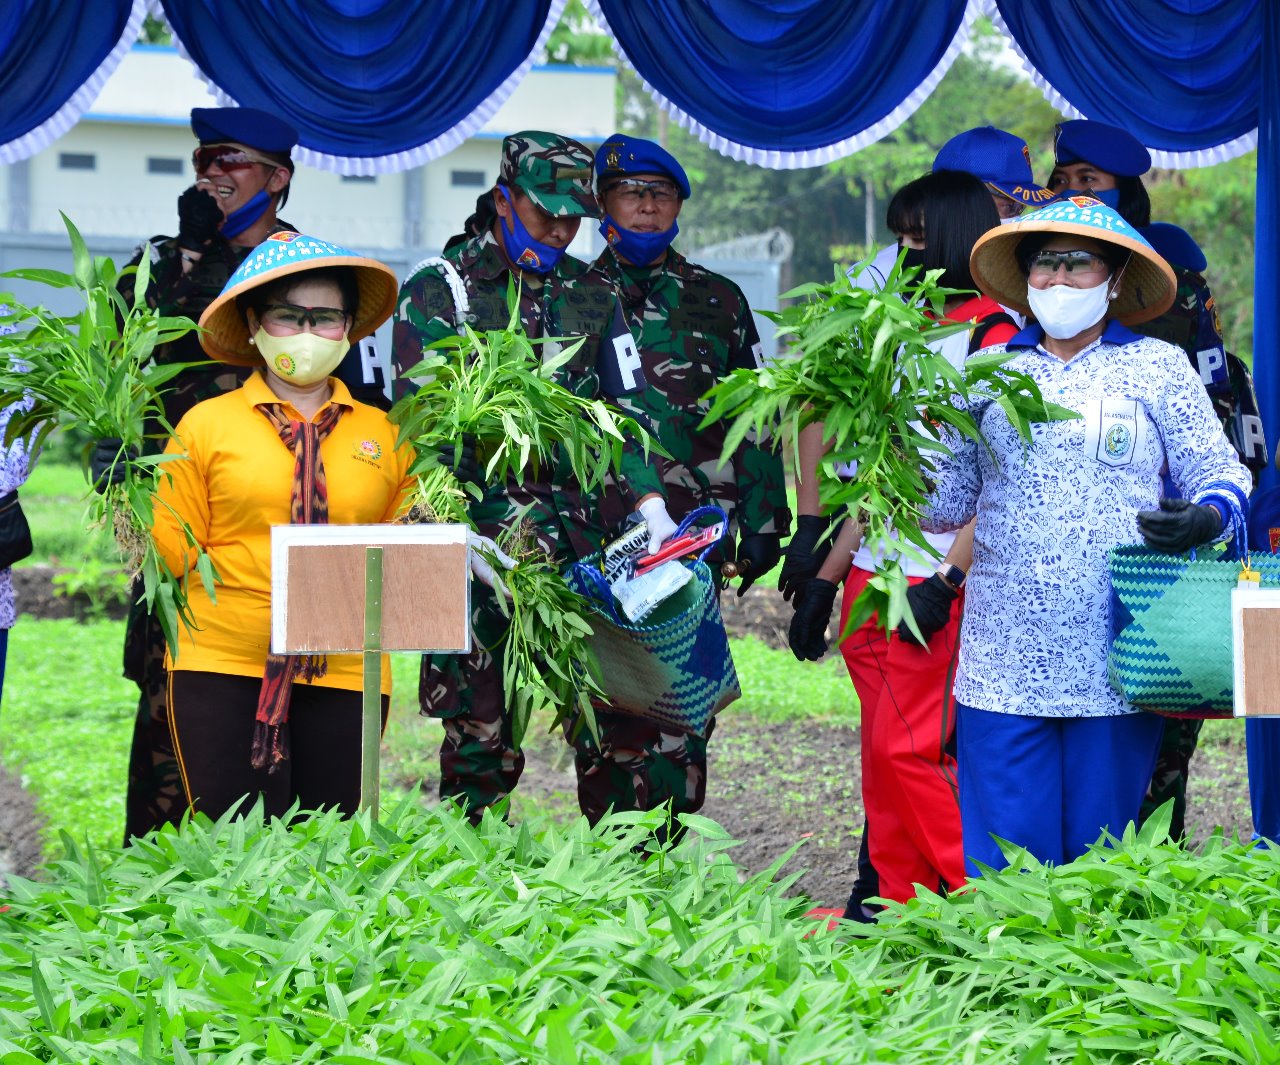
[633, 190]
[226, 158]
[291, 316]
[1077, 263]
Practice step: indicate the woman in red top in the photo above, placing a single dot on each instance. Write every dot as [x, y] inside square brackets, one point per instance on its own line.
[908, 772]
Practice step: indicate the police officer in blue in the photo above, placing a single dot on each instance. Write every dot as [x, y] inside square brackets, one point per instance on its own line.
[1108, 162]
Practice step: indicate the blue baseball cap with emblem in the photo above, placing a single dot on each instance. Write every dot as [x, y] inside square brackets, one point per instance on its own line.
[1109, 148]
[243, 125]
[622, 156]
[997, 158]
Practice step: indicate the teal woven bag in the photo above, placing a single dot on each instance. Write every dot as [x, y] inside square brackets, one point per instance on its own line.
[675, 667]
[1171, 648]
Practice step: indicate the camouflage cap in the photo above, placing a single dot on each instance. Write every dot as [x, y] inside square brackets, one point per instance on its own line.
[553, 171]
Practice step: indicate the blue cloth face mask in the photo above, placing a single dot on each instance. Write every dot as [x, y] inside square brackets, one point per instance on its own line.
[522, 249]
[245, 215]
[638, 248]
[1111, 197]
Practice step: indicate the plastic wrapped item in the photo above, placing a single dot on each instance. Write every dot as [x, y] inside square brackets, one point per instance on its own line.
[641, 595]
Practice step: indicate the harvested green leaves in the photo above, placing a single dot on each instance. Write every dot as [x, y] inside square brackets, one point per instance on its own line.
[863, 368]
[547, 662]
[497, 387]
[93, 371]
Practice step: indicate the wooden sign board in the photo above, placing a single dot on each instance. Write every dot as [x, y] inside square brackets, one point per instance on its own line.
[318, 588]
[1255, 623]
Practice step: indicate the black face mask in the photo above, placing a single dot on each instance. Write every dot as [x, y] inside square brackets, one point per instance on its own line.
[913, 257]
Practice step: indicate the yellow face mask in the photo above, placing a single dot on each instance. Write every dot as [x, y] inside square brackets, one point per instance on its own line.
[301, 358]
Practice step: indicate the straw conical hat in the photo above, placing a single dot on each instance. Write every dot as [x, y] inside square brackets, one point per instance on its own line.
[226, 336]
[1147, 287]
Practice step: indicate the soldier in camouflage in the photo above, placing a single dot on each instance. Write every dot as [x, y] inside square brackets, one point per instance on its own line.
[543, 192]
[243, 170]
[1193, 324]
[692, 327]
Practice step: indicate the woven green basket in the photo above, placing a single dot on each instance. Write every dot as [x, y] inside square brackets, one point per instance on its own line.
[1170, 648]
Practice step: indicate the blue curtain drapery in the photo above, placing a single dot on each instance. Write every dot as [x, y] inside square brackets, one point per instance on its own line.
[788, 83]
[55, 56]
[1181, 76]
[371, 85]
[1266, 271]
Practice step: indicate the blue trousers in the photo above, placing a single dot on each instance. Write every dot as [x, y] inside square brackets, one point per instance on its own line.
[1049, 784]
[1262, 738]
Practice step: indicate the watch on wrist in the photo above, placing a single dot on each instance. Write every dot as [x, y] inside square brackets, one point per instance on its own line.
[952, 575]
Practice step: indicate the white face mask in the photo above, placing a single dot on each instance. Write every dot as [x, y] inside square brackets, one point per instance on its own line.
[1064, 312]
[301, 358]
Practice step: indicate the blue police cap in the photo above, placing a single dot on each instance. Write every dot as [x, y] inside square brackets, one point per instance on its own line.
[1176, 246]
[1000, 159]
[1108, 148]
[621, 155]
[243, 125]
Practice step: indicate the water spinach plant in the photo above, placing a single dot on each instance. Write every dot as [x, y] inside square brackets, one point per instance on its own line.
[420, 939]
[500, 387]
[861, 365]
[93, 371]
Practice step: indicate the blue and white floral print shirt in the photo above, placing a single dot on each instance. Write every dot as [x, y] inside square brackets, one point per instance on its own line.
[13, 472]
[1034, 639]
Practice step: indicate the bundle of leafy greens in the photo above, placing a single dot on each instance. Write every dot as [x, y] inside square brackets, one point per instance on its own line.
[92, 371]
[498, 388]
[863, 368]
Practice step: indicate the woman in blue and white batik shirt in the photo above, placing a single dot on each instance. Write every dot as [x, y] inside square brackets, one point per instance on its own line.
[1050, 755]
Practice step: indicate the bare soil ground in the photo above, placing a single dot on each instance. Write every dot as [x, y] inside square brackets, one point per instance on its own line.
[771, 786]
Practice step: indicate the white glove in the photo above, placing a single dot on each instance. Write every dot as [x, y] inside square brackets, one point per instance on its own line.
[654, 512]
[480, 549]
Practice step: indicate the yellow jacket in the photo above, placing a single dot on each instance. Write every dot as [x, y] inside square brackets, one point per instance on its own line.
[233, 486]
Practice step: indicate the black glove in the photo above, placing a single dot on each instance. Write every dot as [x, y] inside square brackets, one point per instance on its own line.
[106, 463]
[199, 217]
[930, 601]
[1179, 525]
[815, 600]
[758, 553]
[460, 457]
[802, 558]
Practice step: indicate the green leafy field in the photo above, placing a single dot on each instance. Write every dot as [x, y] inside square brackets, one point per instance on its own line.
[422, 940]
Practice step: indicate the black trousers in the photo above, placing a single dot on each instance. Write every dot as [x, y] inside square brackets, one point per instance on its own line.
[211, 716]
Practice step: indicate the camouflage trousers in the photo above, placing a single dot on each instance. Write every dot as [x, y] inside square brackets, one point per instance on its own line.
[635, 766]
[154, 796]
[1169, 780]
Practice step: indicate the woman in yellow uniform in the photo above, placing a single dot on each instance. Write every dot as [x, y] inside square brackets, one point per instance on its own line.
[289, 446]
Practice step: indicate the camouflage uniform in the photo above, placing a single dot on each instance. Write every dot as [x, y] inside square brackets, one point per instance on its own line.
[692, 327]
[478, 762]
[1192, 323]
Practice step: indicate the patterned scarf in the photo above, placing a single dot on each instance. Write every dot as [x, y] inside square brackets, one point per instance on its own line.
[308, 505]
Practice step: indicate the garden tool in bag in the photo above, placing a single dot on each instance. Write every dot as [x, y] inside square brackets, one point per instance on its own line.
[674, 666]
[1170, 635]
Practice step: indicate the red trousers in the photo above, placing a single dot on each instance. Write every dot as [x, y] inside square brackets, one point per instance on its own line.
[909, 781]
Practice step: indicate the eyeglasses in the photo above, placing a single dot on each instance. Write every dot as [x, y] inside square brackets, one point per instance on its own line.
[226, 158]
[1007, 208]
[1077, 263]
[632, 190]
[291, 316]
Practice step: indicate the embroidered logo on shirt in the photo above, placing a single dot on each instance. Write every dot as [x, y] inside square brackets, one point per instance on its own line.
[368, 451]
[1114, 429]
[1117, 441]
